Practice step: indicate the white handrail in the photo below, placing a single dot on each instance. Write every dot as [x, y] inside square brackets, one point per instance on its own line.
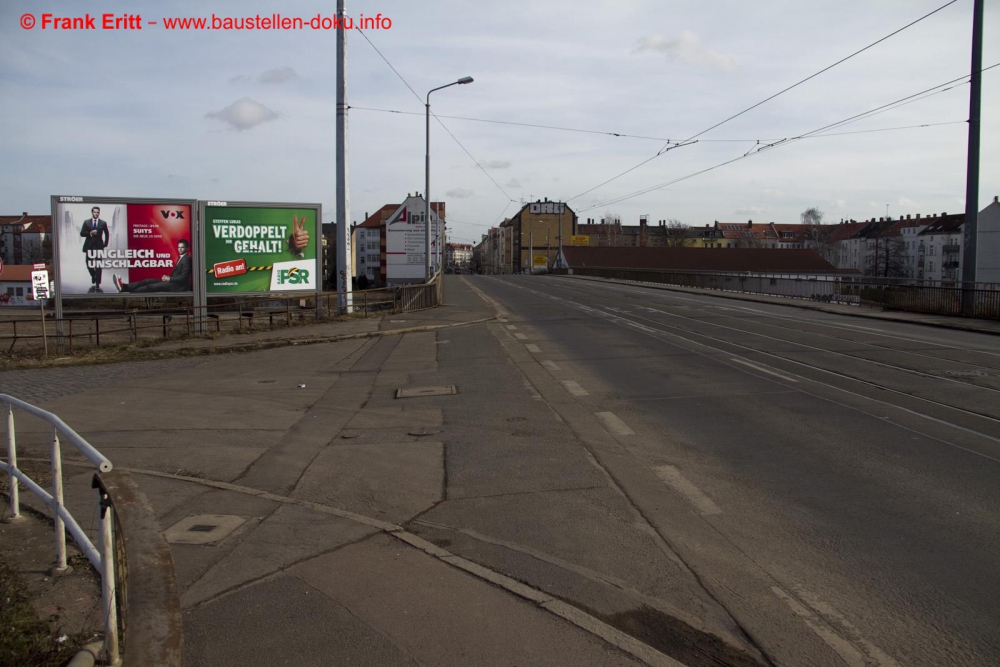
[95, 457]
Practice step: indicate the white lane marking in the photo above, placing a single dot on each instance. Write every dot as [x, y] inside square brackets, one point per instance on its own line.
[511, 327]
[845, 649]
[673, 478]
[501, 319]
[531, 347]
[640, 327]
[763, 369]
[614, 424]
[520, 336]
[827, 610]
[550, 365]
[574, 388]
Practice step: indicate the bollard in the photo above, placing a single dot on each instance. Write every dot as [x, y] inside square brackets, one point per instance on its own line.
[15, 507]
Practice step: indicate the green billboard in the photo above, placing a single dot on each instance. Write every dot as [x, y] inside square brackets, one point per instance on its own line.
[261, 247]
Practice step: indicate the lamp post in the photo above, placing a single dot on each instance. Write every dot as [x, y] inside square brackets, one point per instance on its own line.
[427, 179]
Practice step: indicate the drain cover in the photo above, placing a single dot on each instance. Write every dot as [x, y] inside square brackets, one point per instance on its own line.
[207, 529]
[412, 392]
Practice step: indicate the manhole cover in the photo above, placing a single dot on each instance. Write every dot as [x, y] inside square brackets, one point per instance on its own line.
[412, 392]
[206, 529]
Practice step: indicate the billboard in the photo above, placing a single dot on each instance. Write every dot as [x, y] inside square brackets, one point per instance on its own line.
[405, 244]
[116, 245]
[539, 261]
[580, 239]
[253, 247]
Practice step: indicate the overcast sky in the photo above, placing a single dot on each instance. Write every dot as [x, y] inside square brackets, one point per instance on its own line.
[251, 115]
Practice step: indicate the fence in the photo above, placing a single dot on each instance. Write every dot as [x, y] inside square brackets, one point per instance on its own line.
[945, 298]
[103, 557]
[96, 328]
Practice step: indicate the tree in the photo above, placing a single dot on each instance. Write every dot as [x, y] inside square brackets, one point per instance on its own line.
[612, 227]
[820, 239]
[677, 233]
[889, 259]
[812, 216]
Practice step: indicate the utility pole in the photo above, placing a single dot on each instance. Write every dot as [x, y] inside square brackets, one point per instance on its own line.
[531, 251]
[972, 171]
[344, 269]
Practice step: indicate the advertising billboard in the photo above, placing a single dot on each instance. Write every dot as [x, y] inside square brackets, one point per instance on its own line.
[122, 246]
[253, 247]
[580, 239]
[405, 244]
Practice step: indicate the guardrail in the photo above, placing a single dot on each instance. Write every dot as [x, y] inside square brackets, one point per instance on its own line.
[970, 299]
[102, 557]
[97, 328]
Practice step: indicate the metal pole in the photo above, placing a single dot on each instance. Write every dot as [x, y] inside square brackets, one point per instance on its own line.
[108, 580]
[45, 336]
[972, 170]
[427, 194]
[531, 251]
[57, 498]
[15, 506]
[344, 268]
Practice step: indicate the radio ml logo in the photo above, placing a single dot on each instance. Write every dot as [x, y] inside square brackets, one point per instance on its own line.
[293, 276]
[179, 215]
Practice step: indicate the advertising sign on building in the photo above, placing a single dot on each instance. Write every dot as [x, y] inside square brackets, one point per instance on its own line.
[255, 247]
[542, 207]
[111, 245]
[580, 240]
[40, 285]
[539, 261]
[406, 243]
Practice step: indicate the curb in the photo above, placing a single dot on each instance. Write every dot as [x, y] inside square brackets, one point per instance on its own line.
[794, 303]
[577, 617]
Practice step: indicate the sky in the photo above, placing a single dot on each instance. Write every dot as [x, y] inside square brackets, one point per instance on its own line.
[250, 115]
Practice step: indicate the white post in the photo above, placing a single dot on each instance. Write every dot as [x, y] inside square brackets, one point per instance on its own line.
[57, 497]
[345, 270]
[108, 580]
[15, 506]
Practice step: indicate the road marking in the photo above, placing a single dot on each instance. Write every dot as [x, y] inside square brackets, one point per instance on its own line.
[520, 336]
[641, 327]
[549, 365]
[531, 347]
[829, 612]
[614, 424]
[845, 649]
[673, 478]
[511, 327]
[574, 388]
[763, 369]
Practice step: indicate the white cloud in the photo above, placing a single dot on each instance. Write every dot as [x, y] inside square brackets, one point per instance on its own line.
[278, 75]
[773, 193]
[513, 183]
[841, 204]
[906, 202]
[495, 164]
[244, 114]
[750, 210]
[460, 193]
[687, 48]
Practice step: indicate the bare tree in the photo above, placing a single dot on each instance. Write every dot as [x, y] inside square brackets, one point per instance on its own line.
[612, 227]
[889, 258]
[820, 239]
[812, 216]
[677, 234]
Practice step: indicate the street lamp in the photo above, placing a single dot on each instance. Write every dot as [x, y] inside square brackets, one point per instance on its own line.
[427, 181]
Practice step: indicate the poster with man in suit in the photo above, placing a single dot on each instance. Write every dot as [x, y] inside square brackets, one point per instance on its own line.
[123, 241]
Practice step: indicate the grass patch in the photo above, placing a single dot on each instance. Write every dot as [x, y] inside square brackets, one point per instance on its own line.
[25, 639]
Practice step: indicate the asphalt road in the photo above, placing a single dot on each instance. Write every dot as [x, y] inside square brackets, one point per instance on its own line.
[838, 476]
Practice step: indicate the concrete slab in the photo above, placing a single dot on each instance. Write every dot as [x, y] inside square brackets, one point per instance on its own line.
[393, 481]
[239, 629]
[289, 535]
[443, 616]
[396, 417]
[203, 529]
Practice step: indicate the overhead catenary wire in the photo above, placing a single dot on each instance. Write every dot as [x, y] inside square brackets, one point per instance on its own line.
[440, 122]
[667, 146]
[784, 142]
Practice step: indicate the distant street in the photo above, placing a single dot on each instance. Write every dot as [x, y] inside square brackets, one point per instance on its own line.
[839, 474]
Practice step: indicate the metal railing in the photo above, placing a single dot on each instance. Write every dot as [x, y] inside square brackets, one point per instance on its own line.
[980, 300]
[102, 557]
[97, 328]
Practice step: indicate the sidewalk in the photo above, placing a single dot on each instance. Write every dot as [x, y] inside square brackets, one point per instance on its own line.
[939, 321]
[283, 480]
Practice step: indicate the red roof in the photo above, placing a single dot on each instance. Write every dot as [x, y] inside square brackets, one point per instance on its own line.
[756, 260]
[13, 273]
[32, 223]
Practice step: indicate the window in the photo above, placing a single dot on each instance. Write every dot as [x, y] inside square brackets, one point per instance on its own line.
[930, 267]
[373, 245]
[20, 291]
[10, 291]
